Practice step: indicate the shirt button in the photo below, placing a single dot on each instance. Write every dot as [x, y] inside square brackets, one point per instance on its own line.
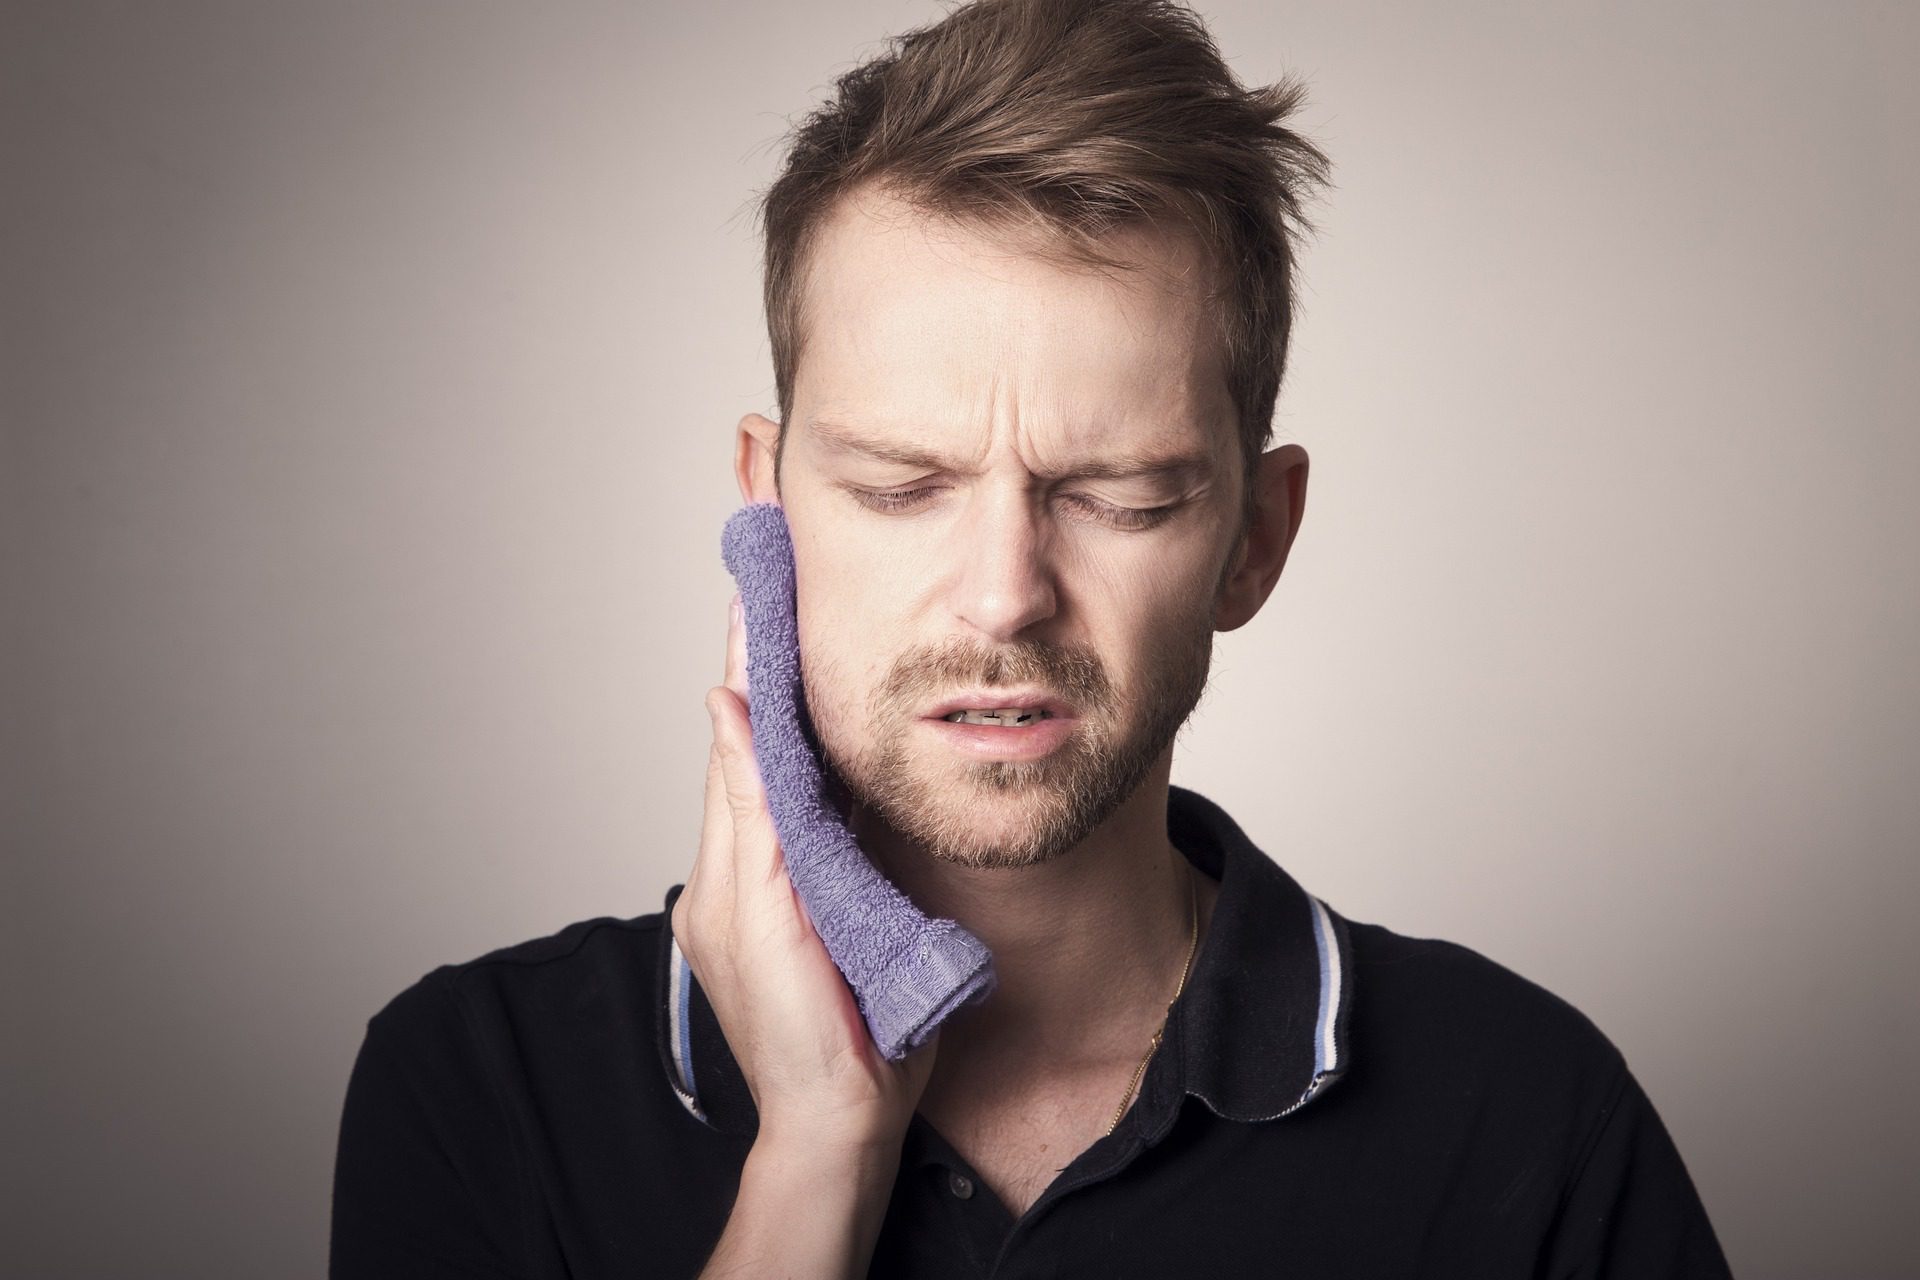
[961, 1185]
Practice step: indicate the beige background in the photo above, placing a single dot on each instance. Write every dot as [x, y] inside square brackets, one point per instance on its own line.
[370, 371]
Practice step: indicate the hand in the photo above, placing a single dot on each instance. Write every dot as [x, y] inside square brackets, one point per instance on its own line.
[787, 1012]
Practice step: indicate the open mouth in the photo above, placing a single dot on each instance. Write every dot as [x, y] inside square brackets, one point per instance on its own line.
[1005, 717]
[1003, 733]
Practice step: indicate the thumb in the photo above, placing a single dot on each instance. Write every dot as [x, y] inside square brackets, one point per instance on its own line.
[918, 1067]
[754, 837]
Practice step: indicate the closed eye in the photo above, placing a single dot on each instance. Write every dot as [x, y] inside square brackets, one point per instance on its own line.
[1131, 518]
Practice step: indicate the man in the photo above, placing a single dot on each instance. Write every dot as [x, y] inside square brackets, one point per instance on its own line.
[1029, 288]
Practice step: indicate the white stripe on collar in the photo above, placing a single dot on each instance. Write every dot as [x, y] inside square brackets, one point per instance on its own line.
[680, 1031]
[1326, 1050]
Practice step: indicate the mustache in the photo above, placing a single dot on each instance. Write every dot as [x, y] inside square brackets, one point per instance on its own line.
[1075, 674]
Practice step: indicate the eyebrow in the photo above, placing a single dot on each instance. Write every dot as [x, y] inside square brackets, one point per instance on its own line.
[841, 438]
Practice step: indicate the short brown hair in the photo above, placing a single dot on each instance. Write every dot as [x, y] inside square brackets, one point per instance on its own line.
[1079, 118]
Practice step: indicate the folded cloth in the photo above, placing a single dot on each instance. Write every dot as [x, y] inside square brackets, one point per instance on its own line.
[908, 973]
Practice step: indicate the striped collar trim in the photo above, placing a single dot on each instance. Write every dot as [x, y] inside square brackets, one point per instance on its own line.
[679, 1038]
[699, 1065]
[1260, 1030]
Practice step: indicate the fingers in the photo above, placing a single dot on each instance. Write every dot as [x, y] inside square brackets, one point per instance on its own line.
[736, 677]
[733, 726]
[754, 843]
[713, 878]
[716, 834]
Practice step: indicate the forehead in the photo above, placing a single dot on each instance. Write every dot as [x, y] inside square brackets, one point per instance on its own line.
[946, 330]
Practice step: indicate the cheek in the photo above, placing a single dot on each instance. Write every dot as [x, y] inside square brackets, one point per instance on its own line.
[1168, 634]
[844, 669]
[834, 601]
[1160, 593]
[1146, 575]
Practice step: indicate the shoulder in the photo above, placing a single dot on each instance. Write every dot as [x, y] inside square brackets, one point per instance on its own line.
[581, 971]
[1433, 1009]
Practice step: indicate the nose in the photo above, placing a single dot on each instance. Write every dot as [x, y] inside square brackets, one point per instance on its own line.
[1005, 583]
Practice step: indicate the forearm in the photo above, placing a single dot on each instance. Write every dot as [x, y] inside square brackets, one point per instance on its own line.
[806, 1212]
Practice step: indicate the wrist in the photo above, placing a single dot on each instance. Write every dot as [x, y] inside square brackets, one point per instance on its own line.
[796, 1147]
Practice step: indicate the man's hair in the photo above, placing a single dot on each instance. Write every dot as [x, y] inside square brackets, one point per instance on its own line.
[1075, 119]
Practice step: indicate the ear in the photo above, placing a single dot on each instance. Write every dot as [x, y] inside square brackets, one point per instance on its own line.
[1280, 498]
[754, 457]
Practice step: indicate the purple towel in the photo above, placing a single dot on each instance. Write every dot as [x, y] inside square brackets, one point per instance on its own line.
[908, 973]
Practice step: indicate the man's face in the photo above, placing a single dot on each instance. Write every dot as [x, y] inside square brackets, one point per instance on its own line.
[999, 568]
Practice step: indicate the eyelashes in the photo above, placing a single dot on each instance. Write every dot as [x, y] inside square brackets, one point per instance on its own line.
[902, 500]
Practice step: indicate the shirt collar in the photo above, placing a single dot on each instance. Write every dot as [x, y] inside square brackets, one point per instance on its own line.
[1260, 1029]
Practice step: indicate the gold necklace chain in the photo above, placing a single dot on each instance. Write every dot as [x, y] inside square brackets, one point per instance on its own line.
[1193, 940]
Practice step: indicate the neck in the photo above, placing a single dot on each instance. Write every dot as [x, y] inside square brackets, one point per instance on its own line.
[1087, 947]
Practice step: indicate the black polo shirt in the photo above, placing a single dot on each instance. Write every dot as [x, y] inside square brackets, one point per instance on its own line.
[1330, 1098]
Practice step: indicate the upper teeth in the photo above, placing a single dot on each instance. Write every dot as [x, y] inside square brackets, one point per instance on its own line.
[1007, 715]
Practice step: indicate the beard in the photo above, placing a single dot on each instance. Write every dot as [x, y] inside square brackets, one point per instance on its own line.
[1013, 813]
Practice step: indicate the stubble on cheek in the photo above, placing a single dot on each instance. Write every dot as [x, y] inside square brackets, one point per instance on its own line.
[1007, 813]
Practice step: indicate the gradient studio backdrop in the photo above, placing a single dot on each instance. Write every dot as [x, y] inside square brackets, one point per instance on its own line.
[370, 376]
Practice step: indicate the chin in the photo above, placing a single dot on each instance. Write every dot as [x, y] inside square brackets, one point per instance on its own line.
[992, 824]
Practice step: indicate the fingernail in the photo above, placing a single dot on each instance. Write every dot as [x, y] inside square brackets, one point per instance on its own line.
[733, 610]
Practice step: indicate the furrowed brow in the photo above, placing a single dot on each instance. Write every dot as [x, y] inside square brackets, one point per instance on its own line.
[839, 438]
